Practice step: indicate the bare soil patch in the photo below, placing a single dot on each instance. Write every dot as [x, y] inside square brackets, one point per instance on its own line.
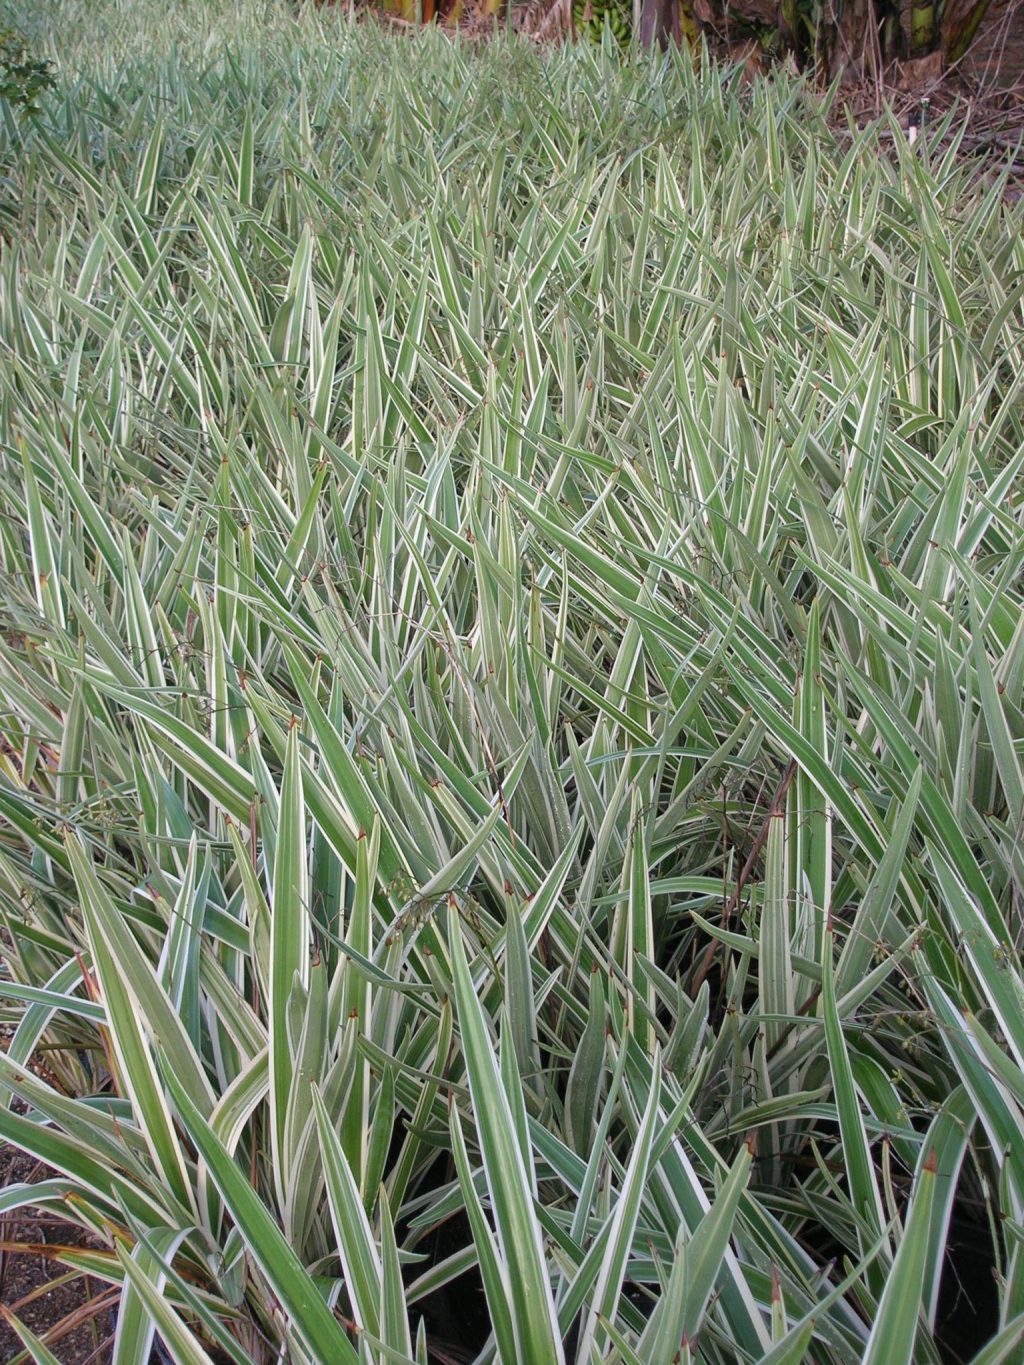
[72, 1313]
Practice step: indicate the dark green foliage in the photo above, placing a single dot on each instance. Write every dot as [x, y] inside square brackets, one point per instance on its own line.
[23, 78]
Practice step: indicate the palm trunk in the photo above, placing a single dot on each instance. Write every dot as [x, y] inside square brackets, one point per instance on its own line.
[960, 24]
[667, 21]
[788, 23]
[922, 27]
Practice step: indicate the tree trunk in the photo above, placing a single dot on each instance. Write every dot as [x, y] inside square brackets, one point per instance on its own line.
[787, 22]
[851, 42]
[922, 27]
[960, 23]
[667, 21]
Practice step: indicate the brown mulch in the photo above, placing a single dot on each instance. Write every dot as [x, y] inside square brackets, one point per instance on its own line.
[74, 1316]
[72, 1313]
[987, 127]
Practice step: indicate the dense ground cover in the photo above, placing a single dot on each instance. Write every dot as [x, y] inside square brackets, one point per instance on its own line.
[512, 671]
